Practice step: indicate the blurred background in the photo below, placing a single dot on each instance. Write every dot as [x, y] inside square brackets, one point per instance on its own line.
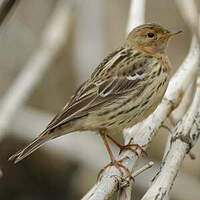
[56, 45]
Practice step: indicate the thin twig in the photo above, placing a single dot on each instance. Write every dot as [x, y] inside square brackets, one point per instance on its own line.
[144, 168]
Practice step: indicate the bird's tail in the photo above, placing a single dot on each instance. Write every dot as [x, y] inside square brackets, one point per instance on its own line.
[34, 145]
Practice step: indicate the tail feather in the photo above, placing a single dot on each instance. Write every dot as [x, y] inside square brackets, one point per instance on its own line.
[21, 154]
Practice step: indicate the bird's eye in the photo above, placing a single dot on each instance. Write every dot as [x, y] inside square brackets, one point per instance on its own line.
[151, 35]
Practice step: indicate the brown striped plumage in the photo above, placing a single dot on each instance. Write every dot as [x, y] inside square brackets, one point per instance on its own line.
[123, 90]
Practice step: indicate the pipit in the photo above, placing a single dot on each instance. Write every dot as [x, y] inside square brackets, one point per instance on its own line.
[123, 90]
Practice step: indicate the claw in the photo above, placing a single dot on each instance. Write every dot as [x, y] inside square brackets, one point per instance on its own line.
[129, 147]
[118, 165]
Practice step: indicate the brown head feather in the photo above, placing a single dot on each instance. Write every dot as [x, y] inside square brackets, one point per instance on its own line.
[151, 38]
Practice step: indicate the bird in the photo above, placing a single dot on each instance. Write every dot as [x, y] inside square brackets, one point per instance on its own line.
[124, 89]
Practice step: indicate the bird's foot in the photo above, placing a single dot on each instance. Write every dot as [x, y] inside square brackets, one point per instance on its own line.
[130, 146]
[118, 164]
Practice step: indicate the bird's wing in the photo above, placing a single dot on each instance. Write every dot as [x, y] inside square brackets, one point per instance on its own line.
[104, 86]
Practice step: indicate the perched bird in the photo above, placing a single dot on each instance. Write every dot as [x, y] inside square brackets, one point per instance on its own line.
[123, 90]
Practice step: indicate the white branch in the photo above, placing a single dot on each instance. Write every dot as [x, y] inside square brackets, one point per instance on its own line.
[189, 12]
[136, 14]
[179, 112]
[52, 42]
[185, 135]
[160, 190]
[143, 133]
[125, 190]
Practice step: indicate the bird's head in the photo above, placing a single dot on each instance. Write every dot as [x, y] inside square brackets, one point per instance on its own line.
[151, 38]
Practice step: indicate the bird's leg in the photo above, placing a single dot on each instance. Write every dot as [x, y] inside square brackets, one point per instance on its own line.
[113, 162]
[128, 146]
[103, 135]
[114, 141]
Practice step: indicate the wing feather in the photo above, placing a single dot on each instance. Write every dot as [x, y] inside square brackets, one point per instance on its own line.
[104, 86]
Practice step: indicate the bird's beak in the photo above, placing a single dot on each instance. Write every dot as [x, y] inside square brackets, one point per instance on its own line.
[174, 32]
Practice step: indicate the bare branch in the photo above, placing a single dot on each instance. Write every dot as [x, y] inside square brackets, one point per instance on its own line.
[189, 12]
[179, 112]
[136, 14]
[149, 165]
[125, 194]
[185, 136]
